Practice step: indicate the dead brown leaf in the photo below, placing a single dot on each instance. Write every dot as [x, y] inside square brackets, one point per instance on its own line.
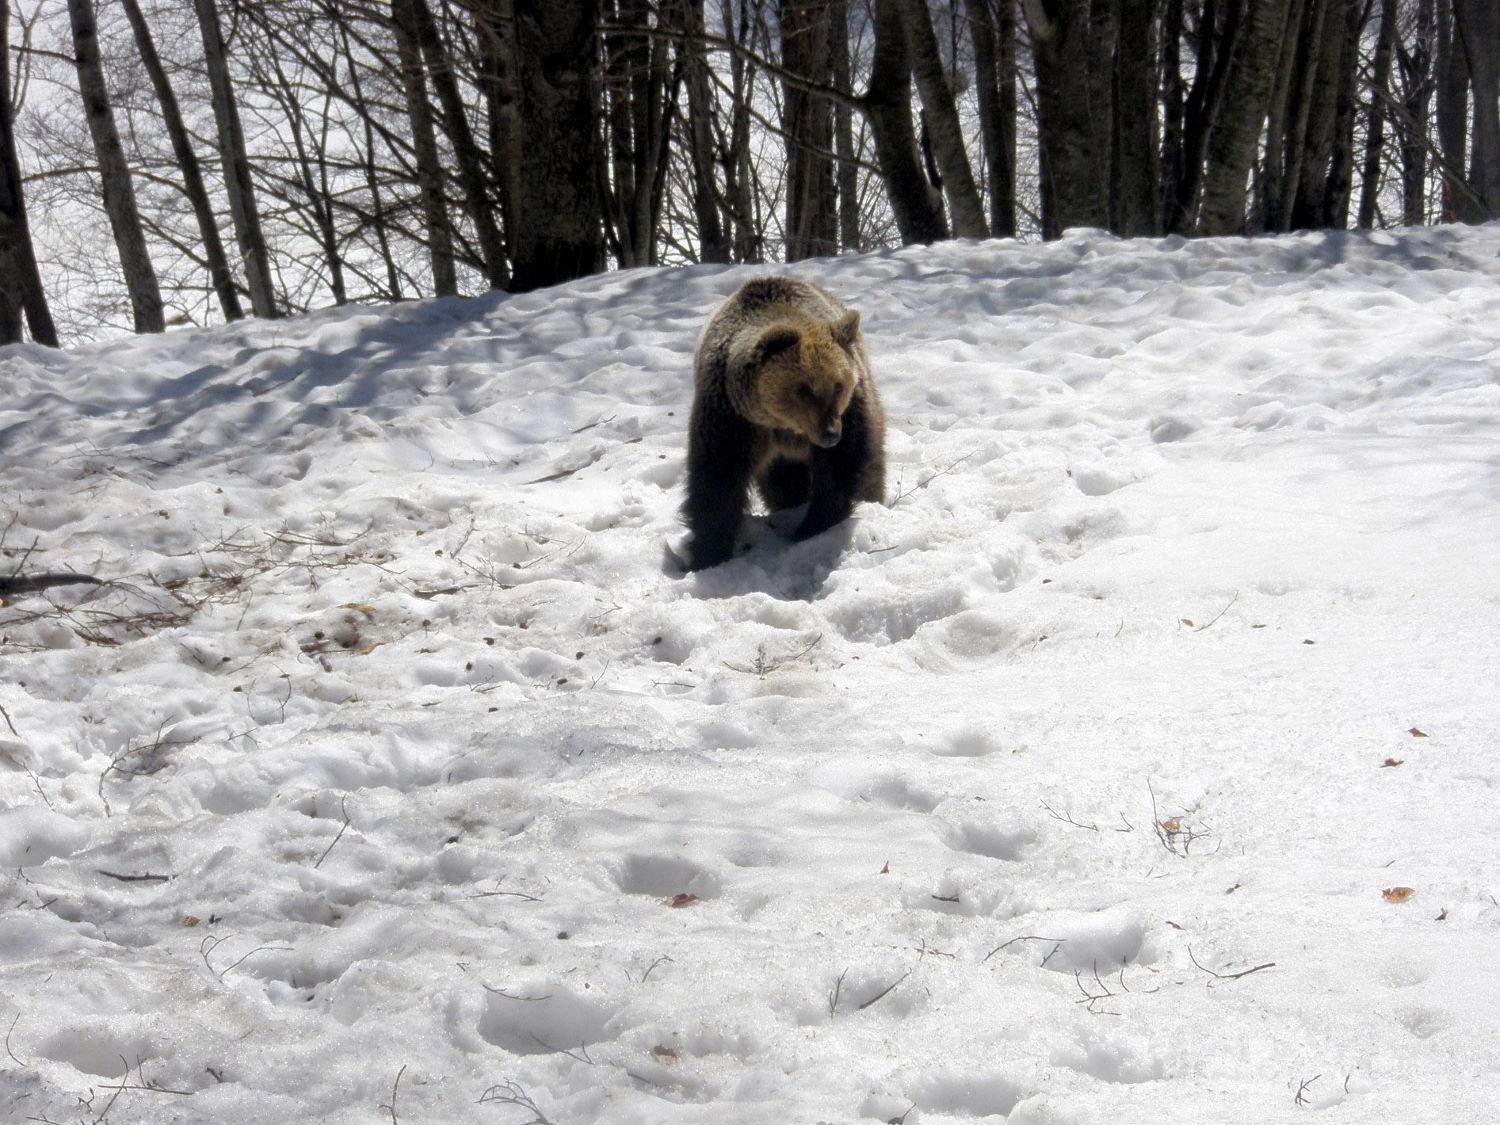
[680, 900]
[1417, 732]
[1390, 762]
[1397, 894]
[189, 920]
[664, 1055]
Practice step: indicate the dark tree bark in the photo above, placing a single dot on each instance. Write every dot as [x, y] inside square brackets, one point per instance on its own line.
[425, 150]
[237, 179]
[559, 230]
[1478, 25]
[1134, 187]
[1430, 43]
[1174, 114]
[1452, 117]
[1073, 44]
[1234, 140]
[499, 77]
[713, 239]
[1220, 28]
[639, 89]
[843, 127]
[1340, 182]
[993, 34]
[220, 275]
[466, 154]
[114, 172]
[740, 185]
[807, 124]
[887, 106]
[372, 178]
[940, 112]
[1375, 114]
[20, 281]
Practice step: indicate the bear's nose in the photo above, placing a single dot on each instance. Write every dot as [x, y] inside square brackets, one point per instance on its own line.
[829, 437]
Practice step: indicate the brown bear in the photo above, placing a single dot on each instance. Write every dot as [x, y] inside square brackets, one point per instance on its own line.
[783, 397]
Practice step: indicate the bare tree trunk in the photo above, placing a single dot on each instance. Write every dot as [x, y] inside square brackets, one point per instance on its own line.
[1174, 113]
[1271, 179]
[639, 88]
[995, 91]
[221, 276]
[1340, 182]
[739, 178]
[1416, 65]
[466, 154]
[20, 281]
[843, 127]
[1452, 116]
[114, 172]
[940, 112]
[1375, 112]
[1134, 189]
[1233, 143]
[559, 231]
[1478, 24]
[372, 180]
[713, 242]
[887, 106]
[499, 76]
[425, 151]
[807, 123]
[1220, 29]
[237, 181]
[1073, 42]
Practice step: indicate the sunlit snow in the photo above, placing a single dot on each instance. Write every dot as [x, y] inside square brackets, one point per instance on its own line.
[394, 773]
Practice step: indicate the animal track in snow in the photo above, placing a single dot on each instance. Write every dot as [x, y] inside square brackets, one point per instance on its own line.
[978, 837]
[966, 742]
[1110, 1060]
[543, 1020]
[1104, 942]
[664, 876]
[975, 1094]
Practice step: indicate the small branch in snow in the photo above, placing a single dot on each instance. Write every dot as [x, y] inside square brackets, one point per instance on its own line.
[835, 992]
[1210, 623]
[925, 481]
[509, 1093]
[343, 808]
[513, 996]
[1300, 1099]
[764, 664]
[1024, 937]
[1172, 833]
[881, 995]
[8, 1050]
[394, 1087]
[134, 878]
[1090, 999]
[1066, 819]
[1227, 976]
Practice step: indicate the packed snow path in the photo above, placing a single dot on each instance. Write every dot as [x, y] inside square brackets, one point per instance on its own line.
[1138, 761]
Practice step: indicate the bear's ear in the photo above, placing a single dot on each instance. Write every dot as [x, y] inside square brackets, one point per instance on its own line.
[777, 338]
[846, 328]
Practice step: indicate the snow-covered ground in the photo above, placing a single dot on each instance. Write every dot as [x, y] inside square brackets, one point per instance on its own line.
[395, 774]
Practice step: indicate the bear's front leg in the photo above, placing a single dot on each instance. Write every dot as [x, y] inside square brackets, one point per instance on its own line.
[836, 477]
[718, 482]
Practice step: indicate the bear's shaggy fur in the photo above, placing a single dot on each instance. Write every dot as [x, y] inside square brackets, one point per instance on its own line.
[783, 397]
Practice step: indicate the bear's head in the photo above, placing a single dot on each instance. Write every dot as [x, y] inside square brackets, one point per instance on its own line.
[807, 375]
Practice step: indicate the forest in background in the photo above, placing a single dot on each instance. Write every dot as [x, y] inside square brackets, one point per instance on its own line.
[191, 161]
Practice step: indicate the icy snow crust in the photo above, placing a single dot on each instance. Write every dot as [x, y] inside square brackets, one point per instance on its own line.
[365, 790]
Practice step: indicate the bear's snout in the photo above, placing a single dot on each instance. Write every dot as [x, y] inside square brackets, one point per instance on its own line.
[830, 434]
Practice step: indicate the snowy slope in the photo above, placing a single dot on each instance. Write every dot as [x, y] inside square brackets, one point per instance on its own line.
[372, 784]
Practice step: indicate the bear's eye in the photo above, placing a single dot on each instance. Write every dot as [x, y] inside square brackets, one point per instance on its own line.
[806, 391]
